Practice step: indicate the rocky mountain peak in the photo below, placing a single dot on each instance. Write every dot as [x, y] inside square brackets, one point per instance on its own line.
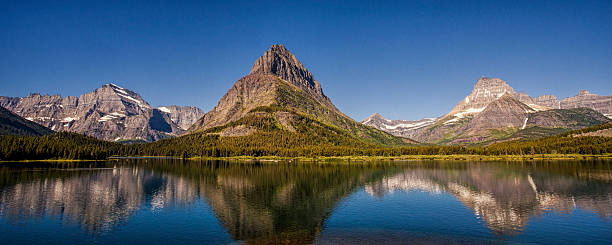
[486, 90]
[488, 83]
[374, 118]
[278, 61]
[584, 93]
[110, 91]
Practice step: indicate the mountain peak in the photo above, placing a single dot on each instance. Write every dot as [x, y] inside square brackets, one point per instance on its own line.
[375, 116]
[126, 95]
[278, 61]
[485, 91]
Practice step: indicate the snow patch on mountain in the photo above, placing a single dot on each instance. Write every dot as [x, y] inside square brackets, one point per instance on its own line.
[164, 109]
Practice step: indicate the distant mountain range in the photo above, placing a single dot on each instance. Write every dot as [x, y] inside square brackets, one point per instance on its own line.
[110, 112]
[280, 104]
[493, 111]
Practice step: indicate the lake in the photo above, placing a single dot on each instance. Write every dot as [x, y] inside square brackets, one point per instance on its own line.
[161, 201]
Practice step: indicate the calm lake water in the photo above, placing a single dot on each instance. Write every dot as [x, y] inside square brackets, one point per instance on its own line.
[157, 201]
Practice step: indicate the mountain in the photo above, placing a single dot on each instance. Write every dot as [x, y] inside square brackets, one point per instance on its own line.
[485, 91]
[110, 112]
[402, 128]
[507, 117]
[12, 124]
[493, 111]
[547, 100]
[586, 99]
[506, 111]
[183, 116]
[281, 94]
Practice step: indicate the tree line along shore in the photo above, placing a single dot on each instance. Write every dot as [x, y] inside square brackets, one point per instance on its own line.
[283, 145]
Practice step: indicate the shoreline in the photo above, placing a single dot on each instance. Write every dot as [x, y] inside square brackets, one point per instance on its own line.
[412, 158]
[352, 158]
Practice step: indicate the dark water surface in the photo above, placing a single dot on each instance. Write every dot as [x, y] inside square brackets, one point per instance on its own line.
[161, 201]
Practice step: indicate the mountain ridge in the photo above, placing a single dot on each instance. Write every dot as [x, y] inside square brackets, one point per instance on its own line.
[486, 91]
[109, 112]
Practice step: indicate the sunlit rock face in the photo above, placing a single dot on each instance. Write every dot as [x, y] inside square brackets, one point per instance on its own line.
[110, 113]
[505, 202]
[602, 104]
[547, 100]
[485, 91]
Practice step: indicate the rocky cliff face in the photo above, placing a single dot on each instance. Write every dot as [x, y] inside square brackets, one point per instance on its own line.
[547, 100]
[278, 61]
[602, 104]
[183, 116]
[279, 82]
[109, 112]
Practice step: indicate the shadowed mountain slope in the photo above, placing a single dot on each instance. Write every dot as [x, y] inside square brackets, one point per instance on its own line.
[12, 124]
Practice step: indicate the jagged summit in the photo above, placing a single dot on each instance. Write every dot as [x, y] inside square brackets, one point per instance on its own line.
[282, 63]
[278, 61]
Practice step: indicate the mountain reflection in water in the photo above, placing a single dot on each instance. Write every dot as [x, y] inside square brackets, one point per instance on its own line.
[505, 196]
[288, 202]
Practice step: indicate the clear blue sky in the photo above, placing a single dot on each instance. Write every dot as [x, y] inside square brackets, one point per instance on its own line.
[403, 59]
